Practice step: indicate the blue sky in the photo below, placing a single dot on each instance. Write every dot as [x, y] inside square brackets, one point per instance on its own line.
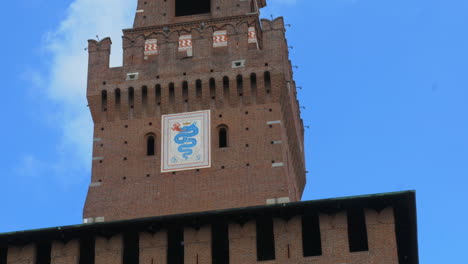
[385, 91]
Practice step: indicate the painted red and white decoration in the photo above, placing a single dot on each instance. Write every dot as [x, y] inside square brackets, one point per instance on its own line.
[151, 47]
[220, 39]
[186, 141]
[252, 35]
[185, 44]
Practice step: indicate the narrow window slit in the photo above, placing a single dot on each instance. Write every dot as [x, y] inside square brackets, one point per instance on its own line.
[240, 88]
[131, 101]
[199, 92]
[223, 136]
[104, 101]
[144, 98]
[172, 96]
[213, 93]
[118, 99]
[253, 87]
[131, 97]
[158, 98]
[185, 95]
[150, 145]
[267, 83]
[226, 90]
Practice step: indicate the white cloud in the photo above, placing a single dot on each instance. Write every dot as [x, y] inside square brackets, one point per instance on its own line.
[66, 74]
[30, 167]
[68, 71]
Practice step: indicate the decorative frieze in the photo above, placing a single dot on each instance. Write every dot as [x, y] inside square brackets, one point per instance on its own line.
[151, 47]
[220, 39]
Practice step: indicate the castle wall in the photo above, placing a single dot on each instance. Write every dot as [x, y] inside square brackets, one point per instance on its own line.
[242, 244]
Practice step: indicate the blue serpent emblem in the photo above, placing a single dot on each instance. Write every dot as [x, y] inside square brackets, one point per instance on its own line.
[185, 139]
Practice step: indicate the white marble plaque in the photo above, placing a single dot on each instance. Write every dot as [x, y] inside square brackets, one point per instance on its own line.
[186, 141]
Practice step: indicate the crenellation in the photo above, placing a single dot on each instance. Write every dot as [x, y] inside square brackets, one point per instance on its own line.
[242, 240]
[153, 247]
[109, 106]
[197, 245]
[24, 254]
[65, 252]
[109, 250]
[242, 237]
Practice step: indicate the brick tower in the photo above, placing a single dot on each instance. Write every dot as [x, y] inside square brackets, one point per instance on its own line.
[202, 115]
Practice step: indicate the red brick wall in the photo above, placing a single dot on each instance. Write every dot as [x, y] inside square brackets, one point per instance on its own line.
[65, 253]
[153, 248]
[109, 250]
[263, 161]
[21, 254]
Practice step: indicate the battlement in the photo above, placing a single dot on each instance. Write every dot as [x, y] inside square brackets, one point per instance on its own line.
[241, 57]
[367, 229]
[237, 243]
[246, 45]
[186, 94]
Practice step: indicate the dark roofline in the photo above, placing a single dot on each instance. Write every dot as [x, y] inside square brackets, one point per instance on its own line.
[404, 204]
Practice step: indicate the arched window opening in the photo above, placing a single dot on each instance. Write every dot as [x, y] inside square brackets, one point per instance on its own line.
[150, 145]
[144, 96]
[253, 86]
[267, 77]
[104, 101]
[185, 94]
[240, 85]
[213, 92]
[240, 88]
[198, 89]
[157, 98]
[171, 94]
[223, 136]
[131, 97]
[158, 94]
[117, 97]
[226, 89]
[212, 88]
